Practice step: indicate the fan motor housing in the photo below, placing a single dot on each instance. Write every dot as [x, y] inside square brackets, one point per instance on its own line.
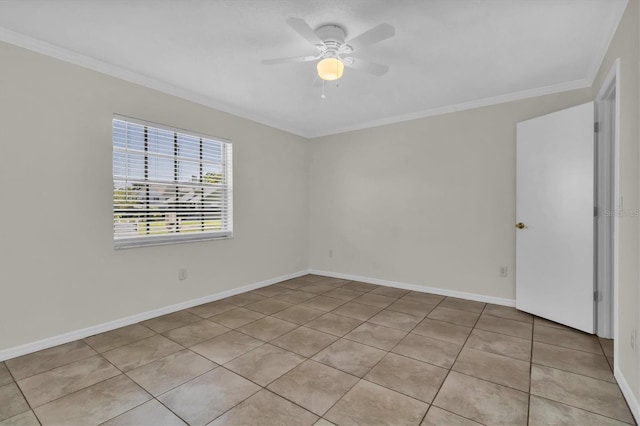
[331, 34]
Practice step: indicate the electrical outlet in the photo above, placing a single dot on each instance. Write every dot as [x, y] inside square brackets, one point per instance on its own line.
[503, 271]
[633, 340]
[182, 274]
[330, 253]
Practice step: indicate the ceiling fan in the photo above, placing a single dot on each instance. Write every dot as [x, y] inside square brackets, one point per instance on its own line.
[334, 53]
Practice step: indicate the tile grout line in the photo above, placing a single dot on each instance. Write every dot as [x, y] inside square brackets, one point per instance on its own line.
[121, 373]
[531, 363]
[153, 397]
[497, 332]
[400, 341]
[260, 387]
[582, 409]
[554, 368]
[375, 347]
[408, 357]
[538, 341]
[306, 359]
[451, 368]
[75, 391]
[246, 378]
[489, 381]
[100, 354]
[530, 373]
[120, 346]
[295, 403]
[157, 398]
[264, 388]
[390, 351]
[331, 334]
[310, 357]
[357, 377]
[550, 344]
[387, 352]
[603, 352]
[343, 395]
[573, 372]
[15, 382]
[137, 384]
[51, 369]
[567, 347]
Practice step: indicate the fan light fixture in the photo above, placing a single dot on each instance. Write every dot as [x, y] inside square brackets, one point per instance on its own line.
[334, 52]
[330, 69]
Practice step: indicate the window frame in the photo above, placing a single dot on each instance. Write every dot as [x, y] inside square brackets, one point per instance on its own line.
[175, 238]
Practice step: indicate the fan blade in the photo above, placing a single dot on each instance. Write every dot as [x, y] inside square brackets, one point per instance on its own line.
[291, 59]
[301, 27]
[365, 66]
[374, 35]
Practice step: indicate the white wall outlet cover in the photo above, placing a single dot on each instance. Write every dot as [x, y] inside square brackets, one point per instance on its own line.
[182, 274]
[503, 271]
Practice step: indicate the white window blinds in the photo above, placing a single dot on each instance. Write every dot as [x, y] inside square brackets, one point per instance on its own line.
[169, 185]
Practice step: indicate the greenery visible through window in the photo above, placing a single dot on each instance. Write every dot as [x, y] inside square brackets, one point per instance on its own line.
[169, 185]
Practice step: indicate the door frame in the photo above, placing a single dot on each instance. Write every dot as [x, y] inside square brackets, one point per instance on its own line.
[607, 304]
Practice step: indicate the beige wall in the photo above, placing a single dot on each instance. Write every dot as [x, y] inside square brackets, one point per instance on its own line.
[432, 201]
[428, 202]
[59, 271]
[625, 46]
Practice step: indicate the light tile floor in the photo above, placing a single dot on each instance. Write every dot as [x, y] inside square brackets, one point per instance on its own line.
[318, 350]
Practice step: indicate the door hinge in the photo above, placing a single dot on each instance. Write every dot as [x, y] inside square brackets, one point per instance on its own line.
[595, 211]
[596, 127]
[596, 296]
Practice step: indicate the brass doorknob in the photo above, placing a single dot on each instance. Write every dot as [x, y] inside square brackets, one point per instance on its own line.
[520, 225]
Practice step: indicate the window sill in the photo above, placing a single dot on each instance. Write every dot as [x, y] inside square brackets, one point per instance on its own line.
[161, 240]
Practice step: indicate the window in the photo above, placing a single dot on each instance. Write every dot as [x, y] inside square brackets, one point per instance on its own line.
[169, 185]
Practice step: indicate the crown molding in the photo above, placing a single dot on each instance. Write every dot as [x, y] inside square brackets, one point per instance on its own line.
[510, 97]
[38, 46]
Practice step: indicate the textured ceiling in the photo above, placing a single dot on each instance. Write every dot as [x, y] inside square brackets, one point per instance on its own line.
[446, 54]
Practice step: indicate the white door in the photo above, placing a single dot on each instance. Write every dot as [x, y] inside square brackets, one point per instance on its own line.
[554, 217]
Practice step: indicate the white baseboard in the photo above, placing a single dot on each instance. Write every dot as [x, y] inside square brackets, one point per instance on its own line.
[112, 325]
[6, 354]
[420, 288]
[634, 404]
